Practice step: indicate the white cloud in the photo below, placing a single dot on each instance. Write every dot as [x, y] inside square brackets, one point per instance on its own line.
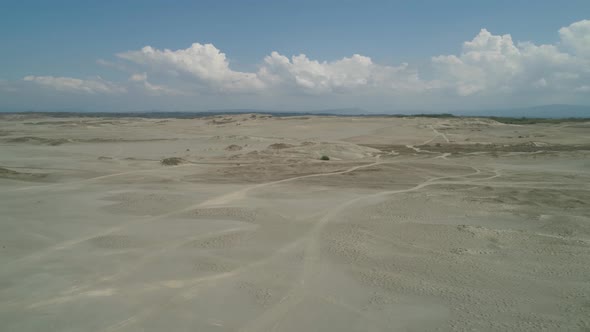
[577, 36]
[203, 62]
[492, 64]
[152, 89]
[209, 66]
[69, 84]
[354, 74]
[484, 60]
[489, 66]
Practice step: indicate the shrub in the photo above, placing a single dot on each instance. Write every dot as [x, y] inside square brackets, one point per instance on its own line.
[233, 147]
[172, 161]
[324, 157]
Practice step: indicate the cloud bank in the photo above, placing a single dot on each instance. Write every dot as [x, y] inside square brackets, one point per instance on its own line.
[488, 66]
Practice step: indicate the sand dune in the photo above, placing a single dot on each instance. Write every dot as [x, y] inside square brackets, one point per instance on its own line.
[414, 224]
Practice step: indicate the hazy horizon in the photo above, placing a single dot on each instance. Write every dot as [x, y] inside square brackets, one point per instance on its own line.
[540, 111]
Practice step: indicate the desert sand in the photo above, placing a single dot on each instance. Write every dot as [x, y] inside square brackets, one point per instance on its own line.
[414, 224]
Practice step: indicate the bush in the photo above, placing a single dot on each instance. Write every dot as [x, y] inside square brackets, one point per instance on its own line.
[233, 147]
[325, 158]
[172, 161]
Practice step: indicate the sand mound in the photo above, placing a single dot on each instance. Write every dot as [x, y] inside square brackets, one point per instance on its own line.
[38, 140]
[278, 146]
[338, 151]
[221, 121]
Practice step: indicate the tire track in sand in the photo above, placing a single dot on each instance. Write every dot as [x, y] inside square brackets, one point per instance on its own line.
[198, 284]
[311, 253]
[141, 261]
[297, 294]
[101, 177]
[222, 199]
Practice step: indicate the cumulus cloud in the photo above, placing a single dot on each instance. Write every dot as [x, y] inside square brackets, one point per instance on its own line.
[152, 89]
[484, 60]
[487, 66]
[495, 64]
[205, 63]
[208, 65]
[577, 36]
[69, 84]
[356, 73]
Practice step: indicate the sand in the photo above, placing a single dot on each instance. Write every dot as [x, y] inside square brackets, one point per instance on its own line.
[414, 224]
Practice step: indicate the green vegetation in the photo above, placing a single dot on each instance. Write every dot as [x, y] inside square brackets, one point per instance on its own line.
[324, 157]
[172, 161]
[437, 115]
[525, 121]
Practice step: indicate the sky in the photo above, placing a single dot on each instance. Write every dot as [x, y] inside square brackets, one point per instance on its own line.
[379, 56]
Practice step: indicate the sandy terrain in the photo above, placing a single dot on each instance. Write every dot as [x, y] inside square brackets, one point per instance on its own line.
[413, 224]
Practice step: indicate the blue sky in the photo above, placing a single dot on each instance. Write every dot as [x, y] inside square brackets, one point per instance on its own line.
[69, 54]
